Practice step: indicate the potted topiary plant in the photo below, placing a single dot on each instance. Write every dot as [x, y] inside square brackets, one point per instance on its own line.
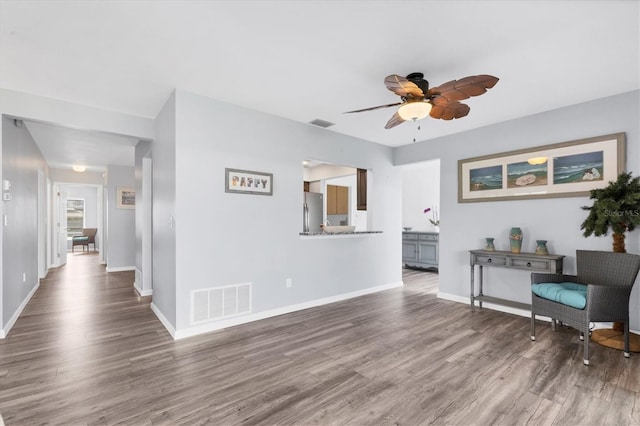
[616, 207]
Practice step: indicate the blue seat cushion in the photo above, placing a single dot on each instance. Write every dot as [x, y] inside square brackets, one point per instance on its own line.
[81, 239]
[570, 294]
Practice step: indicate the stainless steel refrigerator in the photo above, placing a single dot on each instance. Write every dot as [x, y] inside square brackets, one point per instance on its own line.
[312, 212]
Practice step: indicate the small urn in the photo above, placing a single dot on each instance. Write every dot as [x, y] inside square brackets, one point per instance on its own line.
[541, 247]
[489, 245]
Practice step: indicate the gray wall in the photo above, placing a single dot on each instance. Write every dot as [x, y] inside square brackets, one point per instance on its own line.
[164, 195]
[224, 239]
[121, 237]
[21, 160]
[464, 226]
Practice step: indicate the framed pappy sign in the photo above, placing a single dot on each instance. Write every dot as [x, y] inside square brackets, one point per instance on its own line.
[248, 182]
[567, 169]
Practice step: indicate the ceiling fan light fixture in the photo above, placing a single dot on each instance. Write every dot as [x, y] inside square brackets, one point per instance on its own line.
[416, 110]
[78, 168]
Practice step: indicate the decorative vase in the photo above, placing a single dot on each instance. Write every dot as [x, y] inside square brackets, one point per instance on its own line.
[515, 239]
[541, 247]
[489, 245]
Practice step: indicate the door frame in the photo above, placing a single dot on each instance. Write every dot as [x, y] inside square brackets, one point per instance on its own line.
[55, 210]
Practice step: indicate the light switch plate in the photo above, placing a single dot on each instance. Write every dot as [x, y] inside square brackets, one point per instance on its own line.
[6, 196]
[6, 185]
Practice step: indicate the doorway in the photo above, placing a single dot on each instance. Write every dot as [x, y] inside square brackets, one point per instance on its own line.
[420, 221]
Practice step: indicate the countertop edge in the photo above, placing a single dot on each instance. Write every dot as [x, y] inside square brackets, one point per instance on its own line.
[324, 235]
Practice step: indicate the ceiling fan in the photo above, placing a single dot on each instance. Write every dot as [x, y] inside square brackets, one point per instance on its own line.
[440, 102]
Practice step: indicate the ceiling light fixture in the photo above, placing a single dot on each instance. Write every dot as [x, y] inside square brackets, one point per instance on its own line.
[414, 110]
[78, 168]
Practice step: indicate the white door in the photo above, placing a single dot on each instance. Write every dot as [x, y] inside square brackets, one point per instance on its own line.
[61, 210]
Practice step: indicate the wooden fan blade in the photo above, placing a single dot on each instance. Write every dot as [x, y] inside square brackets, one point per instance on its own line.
[394, 121]
[372, 108]
[445, 109]
[402, 87]
[464, 88]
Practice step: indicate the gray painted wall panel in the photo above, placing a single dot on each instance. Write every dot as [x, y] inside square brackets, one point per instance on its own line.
[164, 240]
[121, 239]
[21, 160]
[224, 239]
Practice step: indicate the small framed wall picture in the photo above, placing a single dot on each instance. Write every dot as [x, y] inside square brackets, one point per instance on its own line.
[248, 182]
[126, 198]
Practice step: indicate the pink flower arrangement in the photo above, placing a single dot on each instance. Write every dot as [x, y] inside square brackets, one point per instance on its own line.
[435, 221]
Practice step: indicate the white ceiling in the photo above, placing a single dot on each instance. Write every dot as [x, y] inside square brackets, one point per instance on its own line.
[63, 147]
[304, 60]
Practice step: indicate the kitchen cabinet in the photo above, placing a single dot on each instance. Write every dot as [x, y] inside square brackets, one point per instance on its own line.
[420, 249]
[337, 199]
[361, 179]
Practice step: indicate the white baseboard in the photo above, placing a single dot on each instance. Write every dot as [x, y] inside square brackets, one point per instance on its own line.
[219, 325]
[120, 268]
[5, 330]
[163, 320]
[142, 293]
[465, 300]
[520, 312]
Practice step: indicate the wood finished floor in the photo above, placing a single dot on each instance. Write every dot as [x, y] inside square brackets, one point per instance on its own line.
[86, 350]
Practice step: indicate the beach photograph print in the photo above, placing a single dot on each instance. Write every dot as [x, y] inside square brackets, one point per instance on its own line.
[485, 178]
[578, 168]
[526, 174]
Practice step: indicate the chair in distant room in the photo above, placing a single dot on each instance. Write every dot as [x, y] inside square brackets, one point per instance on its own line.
[599, 292]
[88, 237]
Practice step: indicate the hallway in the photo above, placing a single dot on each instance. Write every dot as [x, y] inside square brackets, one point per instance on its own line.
[79, 338]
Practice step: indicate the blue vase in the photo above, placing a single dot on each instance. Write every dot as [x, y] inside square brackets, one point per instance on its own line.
[515, 240]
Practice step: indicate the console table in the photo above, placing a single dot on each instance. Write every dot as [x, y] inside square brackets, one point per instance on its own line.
[549, 263]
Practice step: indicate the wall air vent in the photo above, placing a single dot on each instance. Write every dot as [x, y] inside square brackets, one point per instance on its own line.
[216, 303]
[321, 123]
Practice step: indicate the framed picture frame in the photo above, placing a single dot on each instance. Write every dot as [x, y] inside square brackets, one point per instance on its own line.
[248, 182]
[126, 198]
[566, 169]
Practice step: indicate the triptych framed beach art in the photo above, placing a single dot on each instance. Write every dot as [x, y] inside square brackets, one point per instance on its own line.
[567, 169]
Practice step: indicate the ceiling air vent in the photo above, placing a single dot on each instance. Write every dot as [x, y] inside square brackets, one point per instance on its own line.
[321, 123]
